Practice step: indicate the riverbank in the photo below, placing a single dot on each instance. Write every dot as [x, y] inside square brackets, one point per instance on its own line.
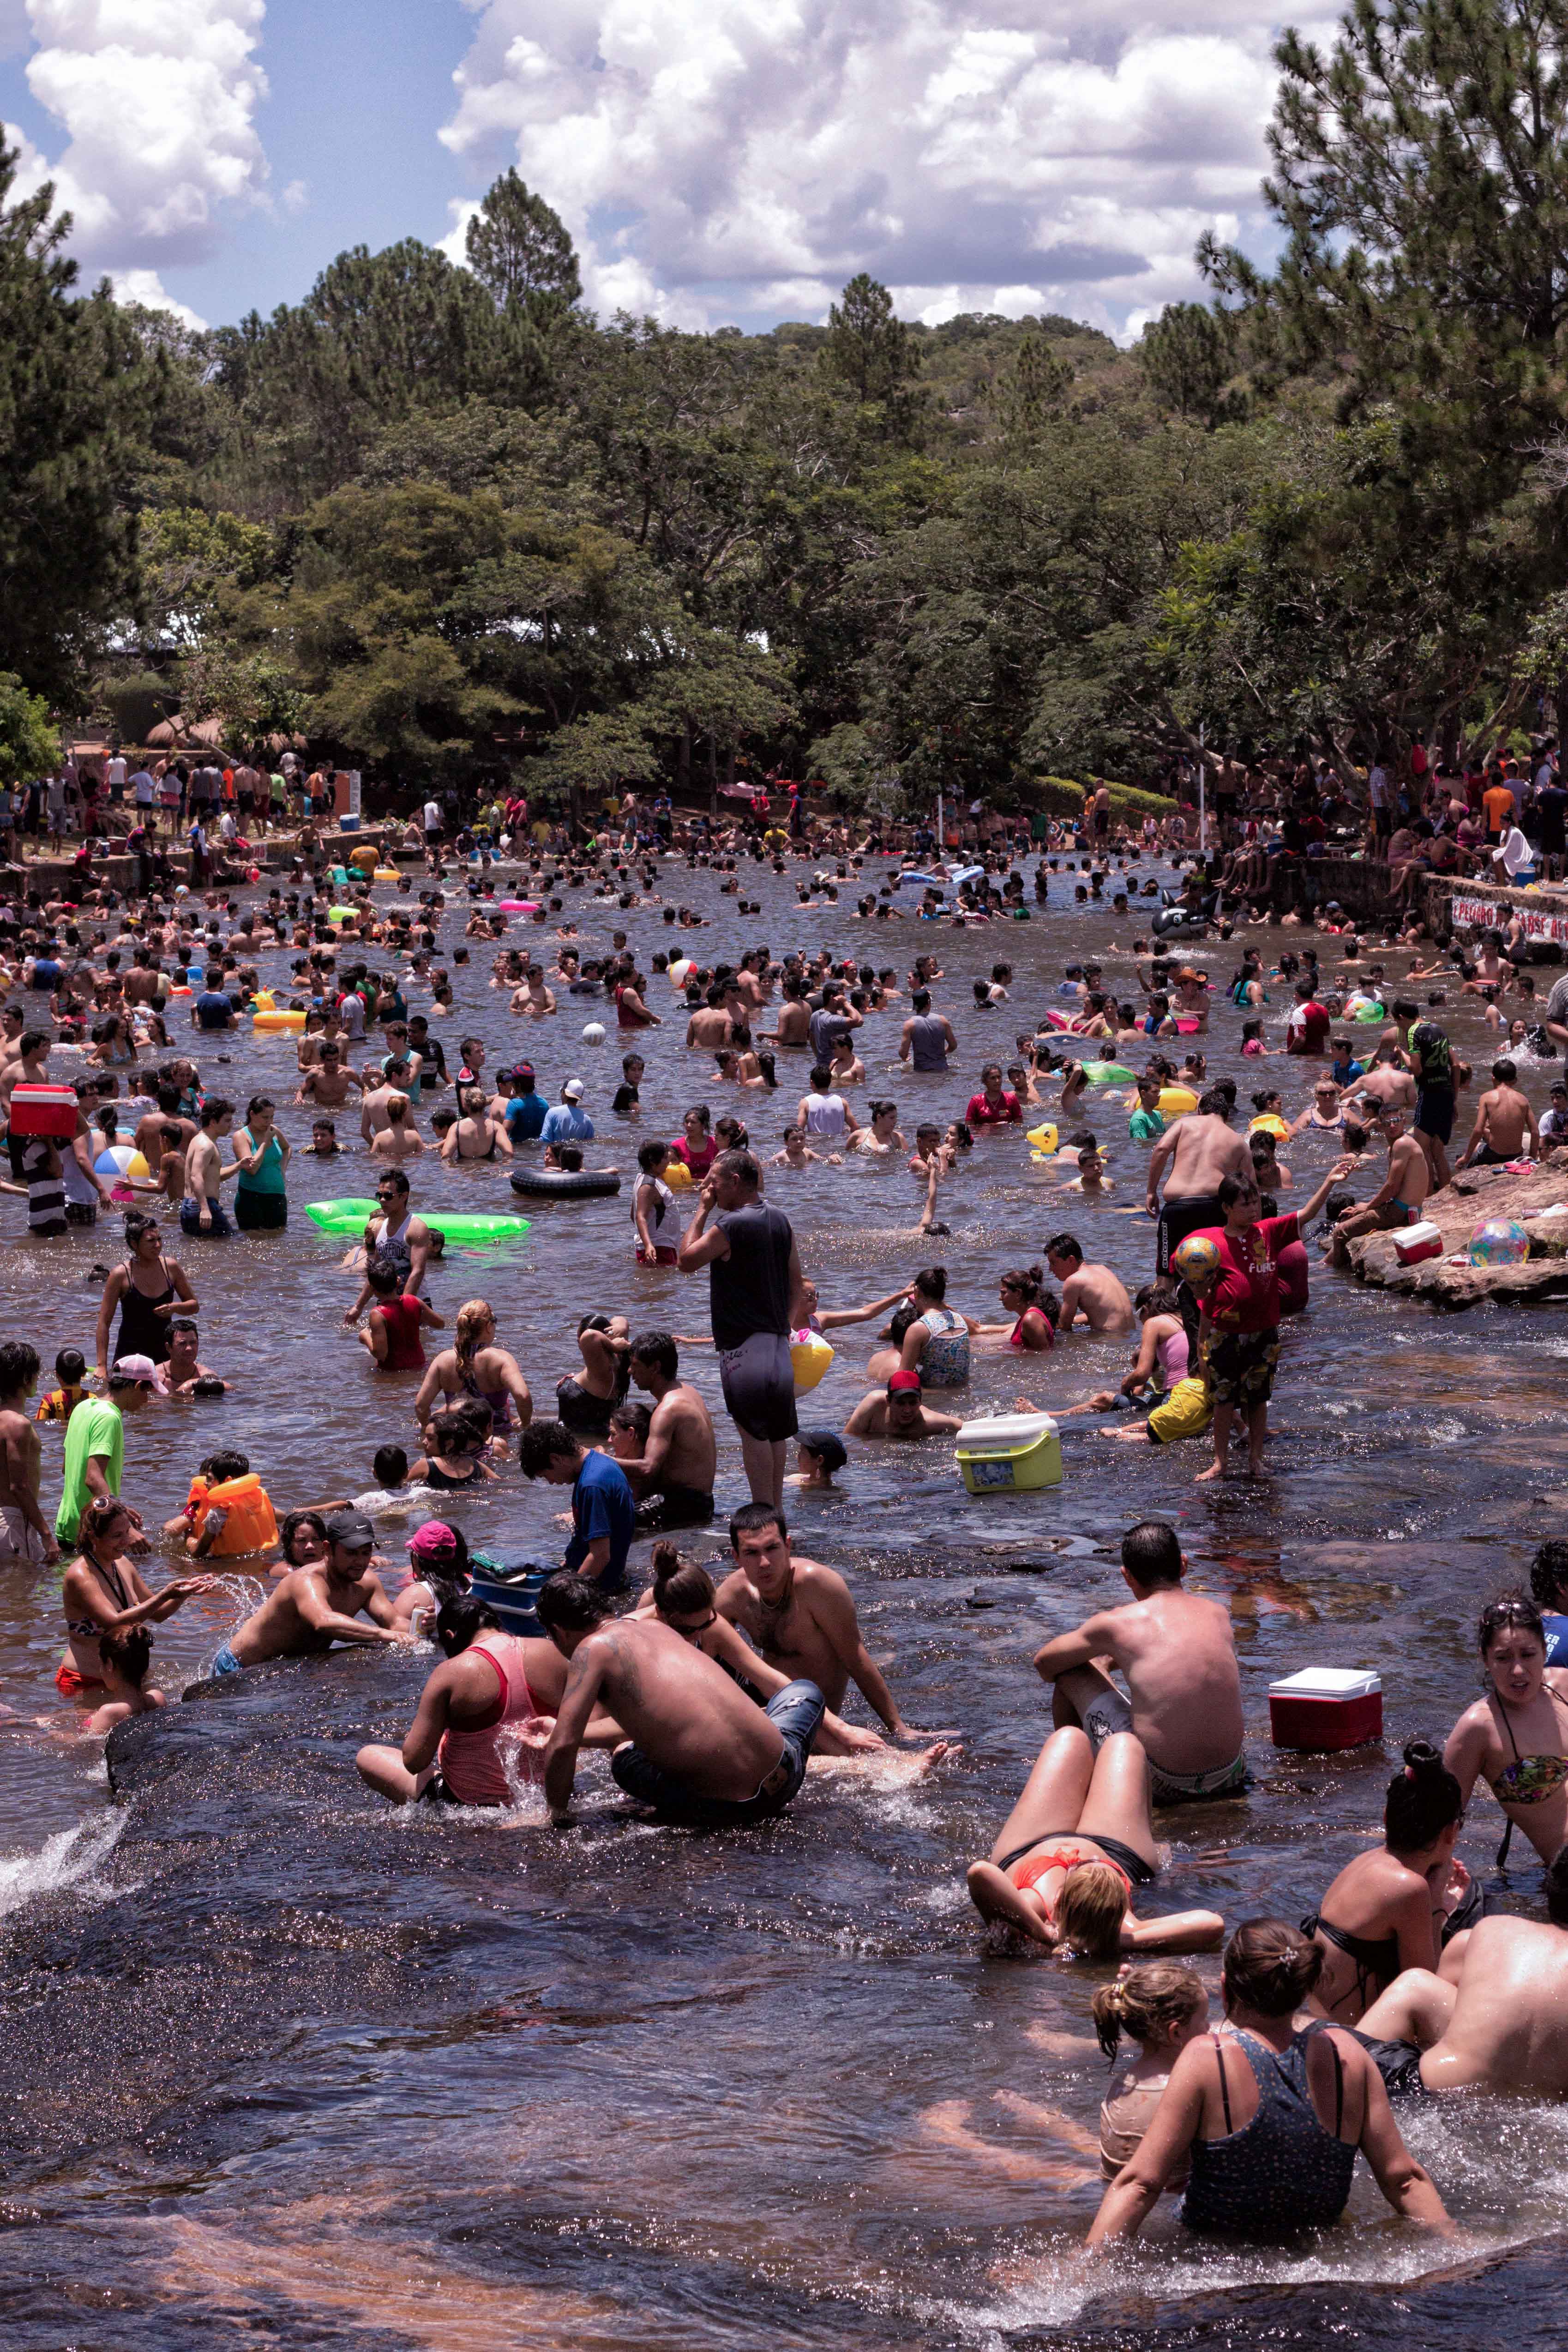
[1538, 1198]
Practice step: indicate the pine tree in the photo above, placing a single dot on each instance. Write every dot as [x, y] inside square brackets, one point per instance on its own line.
[867, 348]
[519, 251]
[1188, 354]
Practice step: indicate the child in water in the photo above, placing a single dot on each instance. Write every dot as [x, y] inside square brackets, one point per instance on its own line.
[820, 1452]
[124, 1659]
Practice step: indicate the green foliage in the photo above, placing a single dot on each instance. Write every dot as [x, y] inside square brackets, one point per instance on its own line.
[518, 249]
[29, 741]
[1189, 355]
[136, 703]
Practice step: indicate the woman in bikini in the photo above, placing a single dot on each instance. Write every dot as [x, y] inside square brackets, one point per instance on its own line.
[1034, 1311]
[105, 1592]
[475, 1134]
[1516, 1738]
[1074, 1848]
[1388, 1907]
[476, 1367]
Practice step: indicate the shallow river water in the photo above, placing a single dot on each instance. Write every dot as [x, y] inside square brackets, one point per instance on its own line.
[283, 2067]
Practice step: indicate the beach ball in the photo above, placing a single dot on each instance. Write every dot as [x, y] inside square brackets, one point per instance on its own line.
[594, 1034]
[1500, 1241]
[1197, 1260]
[678, 1176]
[809, 1356]
[120, 1159]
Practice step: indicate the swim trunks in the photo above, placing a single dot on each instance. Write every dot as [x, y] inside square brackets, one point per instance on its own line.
[191, 1214]
[1435, 1112]
[1394, 1214]
[1240, 1367]
[1399, 2063]
[676, 1506]
[796, 1711]
[19, 1539]
[1104, 1715]
[1189, 1212]
[758, 1383]
[1232, 1779]
[1187, 1412]
[225, 1663]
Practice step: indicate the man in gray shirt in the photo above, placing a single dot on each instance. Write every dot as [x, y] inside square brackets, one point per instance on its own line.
[757, 1297]
[927, 1038]
[831, 1020]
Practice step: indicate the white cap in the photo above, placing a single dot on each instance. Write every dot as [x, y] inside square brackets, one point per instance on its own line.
[574, 1090]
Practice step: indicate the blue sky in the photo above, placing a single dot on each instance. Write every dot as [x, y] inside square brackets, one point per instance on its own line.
[733, 161]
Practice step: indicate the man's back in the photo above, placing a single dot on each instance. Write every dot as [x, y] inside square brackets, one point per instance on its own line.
[682, 1709]
[749, 1289]
[1509, 2031]
[1178, 1653]
[1203, 1150]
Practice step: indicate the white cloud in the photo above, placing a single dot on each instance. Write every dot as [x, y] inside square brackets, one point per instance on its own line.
[158, 100]
[997, 154]
[146, 286]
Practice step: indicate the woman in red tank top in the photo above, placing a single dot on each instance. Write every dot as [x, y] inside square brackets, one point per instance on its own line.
[393, 1326]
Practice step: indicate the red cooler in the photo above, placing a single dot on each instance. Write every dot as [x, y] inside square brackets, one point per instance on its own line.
[1327, 1707]
[44, 1110]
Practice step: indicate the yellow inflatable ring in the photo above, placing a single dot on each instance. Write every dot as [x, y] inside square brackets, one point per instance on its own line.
[1173, 1099]
[285, 1020]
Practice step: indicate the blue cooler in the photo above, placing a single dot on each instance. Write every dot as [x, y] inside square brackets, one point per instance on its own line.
[511, 1590]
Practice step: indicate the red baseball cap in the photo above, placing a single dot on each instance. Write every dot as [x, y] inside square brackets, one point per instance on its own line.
[903, 1379]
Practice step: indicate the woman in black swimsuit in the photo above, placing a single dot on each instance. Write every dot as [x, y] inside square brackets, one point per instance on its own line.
[1386, 1909]
[475, 1135]
[149, 1290]
[584, 1405]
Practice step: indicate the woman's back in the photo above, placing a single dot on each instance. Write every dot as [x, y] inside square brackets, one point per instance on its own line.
[945, 1359]
[1284, 2170]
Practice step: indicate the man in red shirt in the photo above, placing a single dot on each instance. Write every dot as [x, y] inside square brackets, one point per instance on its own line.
[1307, 1030]
[995, 1105]
[1239, 1339]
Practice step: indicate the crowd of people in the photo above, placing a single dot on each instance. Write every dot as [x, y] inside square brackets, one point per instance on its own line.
[712, 1693]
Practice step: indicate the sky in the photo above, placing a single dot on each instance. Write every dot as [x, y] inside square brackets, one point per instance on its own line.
[734, 161]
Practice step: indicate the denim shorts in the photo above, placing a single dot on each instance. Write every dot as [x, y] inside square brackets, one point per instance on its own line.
[796, 1711]
[190, 1215]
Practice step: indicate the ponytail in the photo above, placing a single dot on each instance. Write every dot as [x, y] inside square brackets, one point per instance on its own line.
[1423, 1800]
[680, 1586]
[1148, 2003]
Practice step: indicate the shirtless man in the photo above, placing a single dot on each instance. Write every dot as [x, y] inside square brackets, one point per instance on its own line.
[326, 1082]
[699, 1751]
[899, 1411]
[1503, 2027]
[313, 1607]
[1179, 1656]
[1384, 1083]
[374, 1110]
[1505, 1125]
[1193, 1156]
[1090, 1291]
[673, 1476]
[794, 1025]
[25, 1534]
[799, 1614]
[1399, 1199]
[710, 1025]
[202, 1210]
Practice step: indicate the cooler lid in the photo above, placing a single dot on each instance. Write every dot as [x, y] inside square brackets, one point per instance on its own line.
[1423, 1232]
[1005, 1430]
[1327, 1682]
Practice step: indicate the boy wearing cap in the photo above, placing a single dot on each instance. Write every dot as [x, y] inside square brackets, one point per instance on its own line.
[95, 1448]
[820, 1452]
[313, 1607]
[898, 1411]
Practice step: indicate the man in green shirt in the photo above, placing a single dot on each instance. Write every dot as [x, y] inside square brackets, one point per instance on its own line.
[95, 1448]
[1148, 1121]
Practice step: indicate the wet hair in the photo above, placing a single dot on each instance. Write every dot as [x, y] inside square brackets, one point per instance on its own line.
[290, 1526]
[1089, 1909]
[651, 1155]
[1157, 1298]
[389, 1464]
[18, 1365]
[129, 1653]
[1505, 1072]
[1270, 1967]
[567, 1602]
[656, 1348]
[1423, 1800]
[460, 1620]
[472, 1317]
[1548, 1570]
[1148, 2003]
[228, 1463]
[1510, 1611]
[1065, 1245]
[932, 1281]
[631, 1415]
[1232, 1189]
[900, 1320]
[1152, 1552]
[71, 1364]
[752, 1517]
[1028, 1279]
[680, 1586]
[1216, 1103]
[384, 1275]
[542, 1442]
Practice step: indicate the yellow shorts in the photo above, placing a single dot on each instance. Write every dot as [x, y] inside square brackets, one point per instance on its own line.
[1186, 1413]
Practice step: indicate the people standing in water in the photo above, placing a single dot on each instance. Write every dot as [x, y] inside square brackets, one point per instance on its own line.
[261, 1195]
[756, 1300]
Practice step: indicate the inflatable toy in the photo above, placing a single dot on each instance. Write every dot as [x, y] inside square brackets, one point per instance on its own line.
[1269, 1122]
[1043, 1138]
[1177, 1098]
[519, 905]
[593, 1035]
[120, 1159]
[287, 1019]
[1197, 1260]
[1106, 1074]
[809, 1356]
[1499, 1240]
[348, 1219]
[678, 1176]
[563, 1183]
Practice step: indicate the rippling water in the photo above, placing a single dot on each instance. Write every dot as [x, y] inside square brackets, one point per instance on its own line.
[285, 2067]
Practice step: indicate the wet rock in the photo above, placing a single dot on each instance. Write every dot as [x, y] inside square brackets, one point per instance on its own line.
[1537, 1197]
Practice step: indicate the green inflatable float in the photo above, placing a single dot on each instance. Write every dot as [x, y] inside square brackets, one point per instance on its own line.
[347, 1219]
[1106, 1074]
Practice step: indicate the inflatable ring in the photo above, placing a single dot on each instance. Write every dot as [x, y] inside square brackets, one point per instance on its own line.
[519, 905]
[563, 1183]
[1106, 1074]
[263, 1001]
[344, 914]
[1369, 1013]
[1177, 1098]
[1269, 1122]
[287, 1019]
[348, 1219]
[178, 992]
[388, 874]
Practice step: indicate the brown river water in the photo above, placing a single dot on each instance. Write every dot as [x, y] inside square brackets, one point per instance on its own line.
[283, 2067]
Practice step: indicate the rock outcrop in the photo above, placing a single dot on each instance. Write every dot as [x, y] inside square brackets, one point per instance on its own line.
[1538, 1197]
